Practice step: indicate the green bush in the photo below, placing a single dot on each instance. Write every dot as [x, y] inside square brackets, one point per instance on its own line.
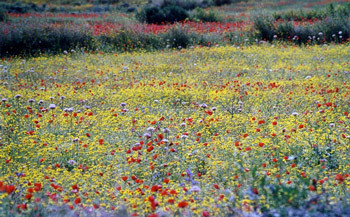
[329, 11]
[26, 39]
[174, 13]
[3, 15]
[178, 38]
[300, 15]
[151, 15]
[332, 29]
[185, 4]
[221, 2]
[167, 14]
[205, 16]
[265, 28]
[128, 40]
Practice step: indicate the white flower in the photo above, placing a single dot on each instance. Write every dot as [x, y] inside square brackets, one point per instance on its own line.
[52, 106]
[68, 109]
[151, 129]
[183, 124]
[147, 135]
[340, 32]
[295, 113]
[195, 188]
[184, 136]
[72, 162]
[18, 96]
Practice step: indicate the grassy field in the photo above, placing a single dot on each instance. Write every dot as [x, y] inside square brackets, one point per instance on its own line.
[113, 109]
[199, 132]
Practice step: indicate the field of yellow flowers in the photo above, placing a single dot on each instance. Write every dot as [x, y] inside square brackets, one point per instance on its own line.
[217, 131]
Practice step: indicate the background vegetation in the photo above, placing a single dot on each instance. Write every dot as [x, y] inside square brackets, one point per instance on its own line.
[151, 25]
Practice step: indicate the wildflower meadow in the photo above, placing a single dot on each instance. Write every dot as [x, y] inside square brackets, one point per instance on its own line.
[227, 129]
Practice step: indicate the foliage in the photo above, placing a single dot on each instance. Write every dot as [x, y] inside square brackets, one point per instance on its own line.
[340, 11]
[30, 39]
[185, 4]
[221, 2]
[3, 15]
[332, 29]
[200, 14]
[265, 28]
[167, 14]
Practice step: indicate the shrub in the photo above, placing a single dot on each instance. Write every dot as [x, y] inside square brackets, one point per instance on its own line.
[25, 39]
[185, 4]
[331, 29]
[3, 15]
[168, 14]
[174, 13]
[221, 2]
[151, 15]
[329, 11]
[178, 37]
[332, 26]
[206, 16]
[300, 15]
[128, 40]
[264, 26]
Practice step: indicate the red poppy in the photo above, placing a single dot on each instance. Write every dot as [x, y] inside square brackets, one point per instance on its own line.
[339, 178]
[205, 214]
[10, 189]
[28, 196]
[77, 200]
[182, 204]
